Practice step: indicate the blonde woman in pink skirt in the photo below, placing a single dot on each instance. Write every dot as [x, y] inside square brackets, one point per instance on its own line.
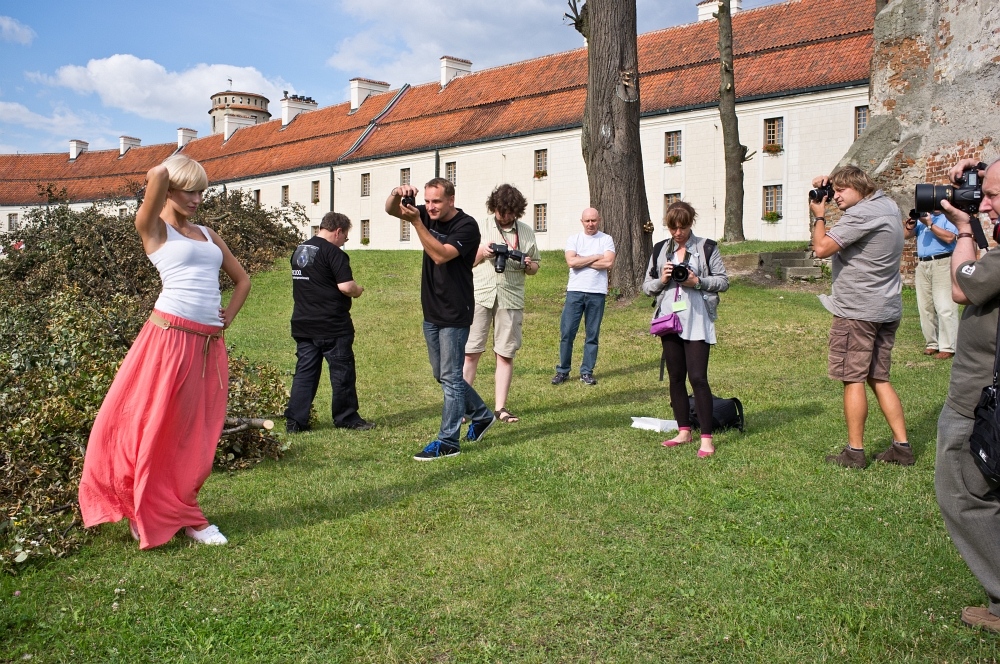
[154, 439]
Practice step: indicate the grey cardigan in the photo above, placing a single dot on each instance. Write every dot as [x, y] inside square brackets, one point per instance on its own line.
[698, 319]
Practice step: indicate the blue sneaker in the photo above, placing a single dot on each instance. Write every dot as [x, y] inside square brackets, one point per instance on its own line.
[478, 429]
[437, 450]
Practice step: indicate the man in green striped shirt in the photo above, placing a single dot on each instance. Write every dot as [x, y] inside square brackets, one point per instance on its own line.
[500, 295]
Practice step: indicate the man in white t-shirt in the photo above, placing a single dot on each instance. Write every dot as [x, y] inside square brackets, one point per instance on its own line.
[590, 255]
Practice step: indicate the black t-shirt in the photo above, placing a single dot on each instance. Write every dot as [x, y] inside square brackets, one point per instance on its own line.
[321, 311]
[446, 290]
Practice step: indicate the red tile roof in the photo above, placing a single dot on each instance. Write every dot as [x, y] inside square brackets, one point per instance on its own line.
[783, 48]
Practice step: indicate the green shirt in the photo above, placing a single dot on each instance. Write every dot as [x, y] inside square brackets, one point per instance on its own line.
[504, 289]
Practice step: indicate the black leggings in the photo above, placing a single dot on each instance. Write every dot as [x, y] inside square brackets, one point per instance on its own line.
[689, 360]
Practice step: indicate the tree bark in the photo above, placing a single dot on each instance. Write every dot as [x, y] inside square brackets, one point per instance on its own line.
[610, 136]
[735, 153]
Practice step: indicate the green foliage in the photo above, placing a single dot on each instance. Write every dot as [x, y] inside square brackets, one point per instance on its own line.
[73, 297]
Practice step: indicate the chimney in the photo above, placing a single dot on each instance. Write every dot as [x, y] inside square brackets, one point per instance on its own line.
[126, 143]
[452, 68]
[77, 148]
[234, 121]
[708, 7]
[292, 106]
[185, 136]
[363, 88]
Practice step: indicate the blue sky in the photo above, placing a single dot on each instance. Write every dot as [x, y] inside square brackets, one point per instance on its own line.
[96, 71]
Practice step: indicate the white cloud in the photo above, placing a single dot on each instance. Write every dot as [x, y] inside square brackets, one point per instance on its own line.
[12, 30]
[147, 89]
[61, 121]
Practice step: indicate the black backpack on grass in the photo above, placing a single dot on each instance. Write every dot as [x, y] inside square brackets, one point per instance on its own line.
[726, 414]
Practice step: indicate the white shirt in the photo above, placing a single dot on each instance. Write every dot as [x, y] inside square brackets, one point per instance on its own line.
[589, 279]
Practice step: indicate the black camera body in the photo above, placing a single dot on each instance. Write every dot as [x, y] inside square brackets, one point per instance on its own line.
[966, 196]
[408, 200]
[819, 193]
[681, 272]
[503, 253]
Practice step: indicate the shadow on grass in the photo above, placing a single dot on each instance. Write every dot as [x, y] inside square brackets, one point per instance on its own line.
[292, 515]
[775, 418]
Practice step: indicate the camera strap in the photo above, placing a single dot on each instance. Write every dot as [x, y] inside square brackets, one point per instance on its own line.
[517, 237]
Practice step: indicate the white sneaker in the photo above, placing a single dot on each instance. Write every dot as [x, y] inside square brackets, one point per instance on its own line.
[210, 535]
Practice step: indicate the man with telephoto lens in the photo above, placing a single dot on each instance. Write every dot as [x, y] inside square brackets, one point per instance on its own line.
[969, 503]
[866, 246]
[500, 294]
[450, 239]
[932, 280]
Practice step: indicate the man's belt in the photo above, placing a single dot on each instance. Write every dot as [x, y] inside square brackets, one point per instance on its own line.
[935, 257]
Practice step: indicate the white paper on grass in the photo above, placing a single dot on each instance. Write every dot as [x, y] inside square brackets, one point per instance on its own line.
[653, 424]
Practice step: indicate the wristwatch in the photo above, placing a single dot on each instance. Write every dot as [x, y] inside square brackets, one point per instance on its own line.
[697, 286]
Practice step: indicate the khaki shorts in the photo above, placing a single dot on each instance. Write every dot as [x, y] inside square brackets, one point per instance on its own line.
[506, 331]
[861, 349]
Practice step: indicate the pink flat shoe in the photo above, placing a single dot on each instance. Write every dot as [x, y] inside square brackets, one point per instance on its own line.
[673, 442]
[702, 454]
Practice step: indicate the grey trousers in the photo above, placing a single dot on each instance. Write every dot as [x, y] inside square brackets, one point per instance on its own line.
[969, 504]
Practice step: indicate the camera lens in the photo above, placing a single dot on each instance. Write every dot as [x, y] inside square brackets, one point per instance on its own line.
[928, 197]
[680, 273]
[408, 200]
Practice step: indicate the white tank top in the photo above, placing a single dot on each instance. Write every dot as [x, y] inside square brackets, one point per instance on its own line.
[189, 271]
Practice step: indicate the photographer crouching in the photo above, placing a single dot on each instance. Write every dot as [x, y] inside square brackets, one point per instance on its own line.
[969, 503]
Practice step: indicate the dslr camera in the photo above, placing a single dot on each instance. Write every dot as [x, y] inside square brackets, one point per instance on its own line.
[502, 253]
[966, 196]
[819, 193]
[681, 272]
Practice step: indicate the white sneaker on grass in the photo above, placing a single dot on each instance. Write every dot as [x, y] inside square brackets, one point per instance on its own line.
[210, 535]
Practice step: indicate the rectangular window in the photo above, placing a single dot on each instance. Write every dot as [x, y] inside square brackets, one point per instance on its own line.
[366, 229]
[366, 184]
[256, 197]
[284, 194]
[12, 223]
[404, 176]
[860, 120]
[404, 230]
[668, 200]
[122, 212]
[541, 163]
[671, 147]
[451, 172]
[774, 134]
[315, 191]
[541, 218]
[315, 230]
[772, 202]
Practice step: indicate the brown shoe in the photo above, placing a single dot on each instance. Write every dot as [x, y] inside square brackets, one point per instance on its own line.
[930, 351]
[849, 458]
[944, 355]
[979, 616]
[899, 454]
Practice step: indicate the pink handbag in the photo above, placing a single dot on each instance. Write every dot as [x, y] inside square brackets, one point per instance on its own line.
[669, 324]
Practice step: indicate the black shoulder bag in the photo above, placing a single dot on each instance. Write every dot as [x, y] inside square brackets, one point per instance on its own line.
[984, 443]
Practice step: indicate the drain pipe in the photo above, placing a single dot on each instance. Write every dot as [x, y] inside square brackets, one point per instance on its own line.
[331, 189]
[437, 163]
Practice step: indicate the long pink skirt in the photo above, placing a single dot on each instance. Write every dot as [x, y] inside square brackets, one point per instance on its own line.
[154, 439]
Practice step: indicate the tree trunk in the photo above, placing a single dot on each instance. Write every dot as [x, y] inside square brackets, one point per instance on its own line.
[735, 153]
[610, 137]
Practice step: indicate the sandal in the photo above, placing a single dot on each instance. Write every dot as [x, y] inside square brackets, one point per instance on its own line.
[506, 416]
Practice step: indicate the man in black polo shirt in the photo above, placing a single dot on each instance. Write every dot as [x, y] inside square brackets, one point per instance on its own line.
[450, 239]
[322, 287]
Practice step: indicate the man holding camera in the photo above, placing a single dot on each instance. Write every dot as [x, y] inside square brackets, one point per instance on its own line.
[938, 311]
[322, 287]
[969, 503]
[450, 239]
[866, 247]
[590, 255]
[508, 252]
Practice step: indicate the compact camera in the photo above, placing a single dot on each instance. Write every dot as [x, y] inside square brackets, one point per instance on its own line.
[819, 193]
[681, 272]
[966, 196]
[503, 253]
[408, 200]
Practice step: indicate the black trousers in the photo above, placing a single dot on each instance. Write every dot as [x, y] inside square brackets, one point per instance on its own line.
[688, 360]
[339, 355]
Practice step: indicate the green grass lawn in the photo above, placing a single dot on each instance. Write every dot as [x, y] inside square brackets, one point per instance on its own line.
[568, 536]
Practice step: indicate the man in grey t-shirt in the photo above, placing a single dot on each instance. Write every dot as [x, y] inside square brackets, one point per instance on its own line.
[866, 246]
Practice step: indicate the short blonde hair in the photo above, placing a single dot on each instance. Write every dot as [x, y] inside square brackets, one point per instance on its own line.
[852, 177]
[185, 173]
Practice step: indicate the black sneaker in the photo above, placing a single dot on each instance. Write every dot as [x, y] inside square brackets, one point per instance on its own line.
[478, 428]
[560, 377]
[291, 426]
[588, 379]
[359, 425]
[437, 450]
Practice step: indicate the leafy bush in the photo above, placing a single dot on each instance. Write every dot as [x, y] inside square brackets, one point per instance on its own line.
[73, 297]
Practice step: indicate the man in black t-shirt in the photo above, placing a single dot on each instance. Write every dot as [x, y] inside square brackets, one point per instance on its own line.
[450, 239]
[322, 287]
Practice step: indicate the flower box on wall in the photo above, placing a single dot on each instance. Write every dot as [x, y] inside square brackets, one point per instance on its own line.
[771, 217]
[672, 159]
[540, 174]
[773, 148]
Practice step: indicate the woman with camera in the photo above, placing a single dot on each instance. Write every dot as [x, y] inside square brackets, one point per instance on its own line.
[686, 275]
[153, 441]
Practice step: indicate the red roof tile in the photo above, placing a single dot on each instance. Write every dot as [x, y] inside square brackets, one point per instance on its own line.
[787, 47]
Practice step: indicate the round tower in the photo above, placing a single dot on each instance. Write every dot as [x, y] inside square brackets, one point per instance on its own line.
[244, 104]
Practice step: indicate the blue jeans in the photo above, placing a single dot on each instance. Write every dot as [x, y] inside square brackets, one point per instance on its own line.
[589, 306]
[446, 350]
[339, 354]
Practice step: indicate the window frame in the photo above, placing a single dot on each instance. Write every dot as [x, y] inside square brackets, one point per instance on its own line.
[540, 222]
[672, 145]
[366, 185]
